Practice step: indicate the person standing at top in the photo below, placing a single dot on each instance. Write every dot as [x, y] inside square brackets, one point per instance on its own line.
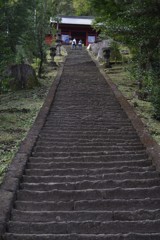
[74, 43]
[80, 44]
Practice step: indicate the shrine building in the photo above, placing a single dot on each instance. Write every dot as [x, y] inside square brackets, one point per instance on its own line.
[75, 27]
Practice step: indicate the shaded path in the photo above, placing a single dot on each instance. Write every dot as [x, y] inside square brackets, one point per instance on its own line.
[88, 177]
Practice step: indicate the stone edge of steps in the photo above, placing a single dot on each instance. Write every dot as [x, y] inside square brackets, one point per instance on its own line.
[152, 147]
[15, 170]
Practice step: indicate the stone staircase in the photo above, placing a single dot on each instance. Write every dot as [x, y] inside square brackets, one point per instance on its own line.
[88, 177]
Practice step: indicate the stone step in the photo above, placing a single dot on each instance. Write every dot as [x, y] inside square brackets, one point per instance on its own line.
[89, 185]
[65, 216]
[78, 125]
[91, 143]
[89, 194]
[118, 159]
[89, 205]
[66, 128]
[113, 157]
[79, 109]
[87, 148]
[85, 171]
[58, 216]
[74, 236]
[92, 116]
[110, 176]
[53, 165]
[80, 106]
[52, 123]
[99, 138]
[102, 135]
[102, 138]
[88, 153]
[86, 227]
[115, 131]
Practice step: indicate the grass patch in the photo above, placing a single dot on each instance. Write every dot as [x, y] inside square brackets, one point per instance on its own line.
[18, 111]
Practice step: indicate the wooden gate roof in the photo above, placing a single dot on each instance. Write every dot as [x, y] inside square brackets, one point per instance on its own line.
[80, 20]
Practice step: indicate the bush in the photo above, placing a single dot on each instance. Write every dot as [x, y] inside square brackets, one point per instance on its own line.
[115, 52]
[155, 99]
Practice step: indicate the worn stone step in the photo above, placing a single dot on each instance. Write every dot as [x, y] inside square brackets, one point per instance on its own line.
[89, 127]
[92, 110]
[90, 185]
[66, 128]
[102, 135]
[89, 205]
[74, 236]
[52, 164]
[79, 109]
[59, 216]
[67, 108]
[113, 157]
[84, 171]
[88, 227]
[89, 194]
[109, 176]
[84, 112]
[114, 131]
[65, 216]
[88, 153]
[73, 148]
[87, 143]
[118, 159]
[91, 143]
[51, 122]
[87, 138]
[90, 118]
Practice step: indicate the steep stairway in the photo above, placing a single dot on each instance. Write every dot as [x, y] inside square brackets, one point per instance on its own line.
[88, 177]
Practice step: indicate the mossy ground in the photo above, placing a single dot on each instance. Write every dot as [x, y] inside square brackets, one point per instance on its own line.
[119, 75]
[18, 111]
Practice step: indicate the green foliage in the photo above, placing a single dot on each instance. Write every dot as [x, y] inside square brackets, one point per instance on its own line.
[63, 7]
[136, 24]
[82, 7]
[24, 24]
[115, 52]
[20, 54]
[156, 101]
